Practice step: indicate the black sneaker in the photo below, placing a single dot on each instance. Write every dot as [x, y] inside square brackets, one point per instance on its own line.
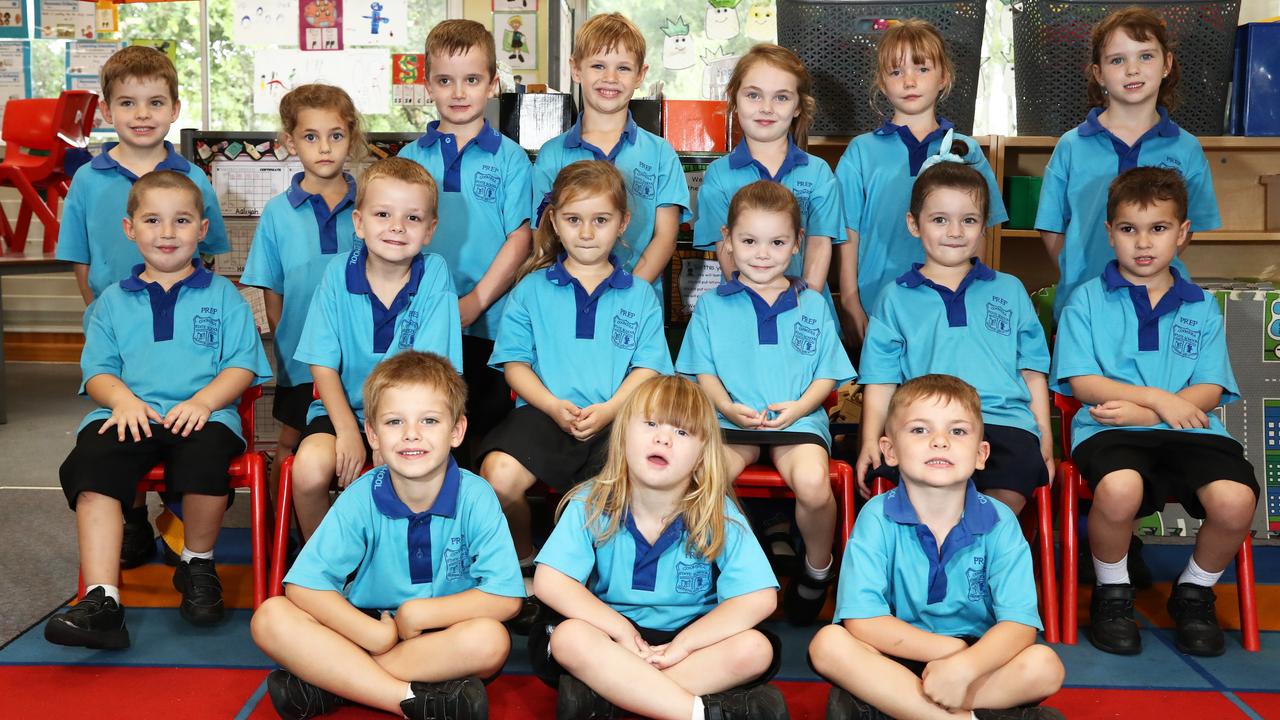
[1111, 625]
[1021, 713]
[463, 699]
[799, 610]
[576, 701]
[139, 544]
[762, 702]
[201, 590]
[1192, 609]
[96, 622]
[842, 705]
[296, 699]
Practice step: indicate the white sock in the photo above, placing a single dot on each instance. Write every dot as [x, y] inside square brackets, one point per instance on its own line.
[698, 712]
[1116, 573]
[973, 715]
[189, 555]
[408, 692]
[1197, 575]
[821, 575]
[112, 591]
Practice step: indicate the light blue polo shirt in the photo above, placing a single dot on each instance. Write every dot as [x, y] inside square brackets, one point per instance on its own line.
[1073, 199]
[765, 353]
[197, 329]
[875, 174]
[484, 197]
[297, 236]
[650, 167]
[91, 233]
[582, 345]
[660, 586]
[1109, 328]
[378, 553]
[981, 575]
[349, 330]
[985, 332]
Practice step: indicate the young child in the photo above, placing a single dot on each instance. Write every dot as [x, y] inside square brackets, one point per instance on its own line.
[608, 62]
[140, 100]
[771, 98]
[768, 386]
[1144, 349]
[385, 296]
[876, 171]
[936, 612]
[484, 202]
[657, 582]
[301, 230]
[954, 315]
[167, 392]
[1133, 81]
[578, 335]
[357, 621]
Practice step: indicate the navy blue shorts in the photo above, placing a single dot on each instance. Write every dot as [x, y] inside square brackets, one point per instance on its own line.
[555, 457]
[322, 425]
[290, 404]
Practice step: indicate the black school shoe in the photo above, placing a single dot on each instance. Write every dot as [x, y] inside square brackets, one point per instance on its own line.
[201, 590]
[463, 699]
[842, 705]
[1111, 625]
[96, 622]
[139, 544]
[296, 699]
[1021, 713]
[576, 701]
[1192, 609]
[799, 610]
[761, 702]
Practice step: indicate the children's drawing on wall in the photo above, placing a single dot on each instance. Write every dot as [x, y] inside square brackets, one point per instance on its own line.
[515, 5]
[762, 21]
[678, 52]
[375, 22]
[514, 34]
[722, 20]
[258, 22]
[715, 76]
[364, 73]
[319, 25]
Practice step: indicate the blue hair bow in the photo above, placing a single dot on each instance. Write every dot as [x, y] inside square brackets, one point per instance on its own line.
[945, 154]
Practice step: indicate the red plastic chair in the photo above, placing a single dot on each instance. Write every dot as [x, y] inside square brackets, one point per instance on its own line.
[1039, 534]
[1072, 489]
[247, 470]
[51, 126]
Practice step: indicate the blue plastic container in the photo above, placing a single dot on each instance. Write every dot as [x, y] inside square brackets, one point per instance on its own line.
[1255, 95]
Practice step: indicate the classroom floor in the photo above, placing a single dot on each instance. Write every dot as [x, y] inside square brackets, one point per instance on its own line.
[174, 669]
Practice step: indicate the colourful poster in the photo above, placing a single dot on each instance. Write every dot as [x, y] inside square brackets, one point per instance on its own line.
[376, 22]
[514, 35]
[365, 74]
[15, 71]
[1271, 333]
[320, 25]
[13, 19]
[408, 79]
[66, 20]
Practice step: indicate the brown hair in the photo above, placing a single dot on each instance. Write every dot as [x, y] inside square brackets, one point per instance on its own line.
[1144, 187]
[918, 41]
[606, 32]
[942, 388]
[1140, 24]
[786, 61]
[398, 168]
[319, 96]
[456, 37]
[413, 367]
[139, 62]
[768, 196]
[164, 180]
[584, 178]
[951, 175]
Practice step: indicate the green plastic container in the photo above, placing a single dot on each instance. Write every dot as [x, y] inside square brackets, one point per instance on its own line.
[1022, 197]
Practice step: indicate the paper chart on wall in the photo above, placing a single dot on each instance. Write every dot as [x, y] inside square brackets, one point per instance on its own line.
[243, 188]
[263, 22]
[66, 19]
[364, 74]
[86, 58]
[15, 72]
[375, 22]
[13, 19]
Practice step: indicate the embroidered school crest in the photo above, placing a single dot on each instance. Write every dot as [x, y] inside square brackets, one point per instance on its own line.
[1186, 341]
[206, 331]
[625, 332]
[644, 184]
[977, 576]
[409, 329]
[805, 339]
[457, 561]
[999, 320]
[485, 187]
[693, 578]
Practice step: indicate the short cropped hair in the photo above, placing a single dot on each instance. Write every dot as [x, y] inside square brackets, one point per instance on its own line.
[943, 388]
[139, 62]
[398, 168]
[455, 37]
[413, 367]
[1145, 186]
[606, 32]
[164, 180]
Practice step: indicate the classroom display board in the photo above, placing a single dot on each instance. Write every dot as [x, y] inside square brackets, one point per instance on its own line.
[15, 71]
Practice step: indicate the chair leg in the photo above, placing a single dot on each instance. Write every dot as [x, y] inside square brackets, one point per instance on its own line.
[1048, 573]
[284, 514]
[21, 230]
[6, 231]
[31, 203]
[1070, 569]
[1248, 600]
[258, 525]
[51, 229]
[845, 474]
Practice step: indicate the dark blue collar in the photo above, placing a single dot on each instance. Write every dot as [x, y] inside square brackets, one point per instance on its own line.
[573, 139]
[164, 303]
[952, 300]
[390, 504]
[979, 515]
[171, 161]
[1182, 291]
[358, 279]
[296, 195]
[741, 157]
[198, 279]
[917, 150]
[489, 139]
[619, 278]
[766, 314]
[644, 570]
[1165, 127]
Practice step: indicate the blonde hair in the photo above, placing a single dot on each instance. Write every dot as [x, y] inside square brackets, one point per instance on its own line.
[139, 62]
[788, 62]
[582, 179]
[768, 196]
[606, 32]
[917, 41]
[319, 96]
[163, 180]
[670, 400]
[1140, 24]
[413, 367]
[398, 168]
[456, 37]
[942, 388]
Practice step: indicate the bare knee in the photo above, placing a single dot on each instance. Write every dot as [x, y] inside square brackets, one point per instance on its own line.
[508, 477]
[812, 487]
[753, 655]
[1229, 504]
[831, 648]
[570, 643]
[1039, 669]
[272, 621]
[1118, 496]
[486, 642]
[313, 468]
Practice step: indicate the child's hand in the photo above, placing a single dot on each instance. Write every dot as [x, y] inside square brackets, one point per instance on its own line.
[386, 636]
[665, 656]
[946, 681]
[469, 309]
[785, 413]
[350, 458]
[133, 417]
[565, 414]
[1179, 413]
[869, 459]
[1122, 413]
[591, 420]
[187, 416]
[744, 417]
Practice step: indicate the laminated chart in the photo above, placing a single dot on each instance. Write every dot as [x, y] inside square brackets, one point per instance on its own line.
[243, 188]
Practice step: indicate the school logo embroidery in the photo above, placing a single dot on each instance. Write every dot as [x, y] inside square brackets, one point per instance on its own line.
[409, 329]
[1186, 341]
[977, 576]
[485, 187]
[804, 339]
[644, 184]
[457, 560]
[1171, 163]
[625, 332]
[999, 320]
[693, 578]
[206, 331]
